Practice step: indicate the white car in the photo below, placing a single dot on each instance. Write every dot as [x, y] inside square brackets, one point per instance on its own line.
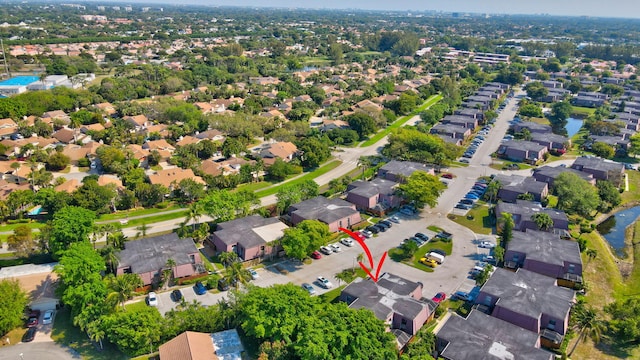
[325, 282]
[153, 299]
[335, 247]
[254, 274]
[326, 250]
[366, 233]
[347, 242]
[394, 219]
[486, 244]
[48, 317]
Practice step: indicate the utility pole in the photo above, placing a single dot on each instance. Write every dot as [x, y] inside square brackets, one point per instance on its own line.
[4, 59]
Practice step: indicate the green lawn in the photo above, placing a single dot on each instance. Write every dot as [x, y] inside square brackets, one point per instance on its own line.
[135, 212]
[32, 225]
[502, 163]
[633, 195]
[157, 218]
[332, 295]
[477, 219]
[255, 186]
[582, 111]
[66, 334]
[401, 121]
[395, 254]
[308, 176]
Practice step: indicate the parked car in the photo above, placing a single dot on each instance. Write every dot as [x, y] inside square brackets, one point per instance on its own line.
[152, 300]
[462, 206]
[254, 274]
[335, 247]
[461, 295]
[429, 262]
[316, 255]
[309, 288]
[471, 196]
[29, 335]
[366, 233]
[325, 250]
[325, 282]
[223, 284]
[466, 201]
[447, 175]
[439, 297]
[417, 241]
[394, 219]
[381, 228]
[360, 236]
[439, 252]
[372, 229]
[489, 259]
[421, 236]
[176, 295]
[487, 245]
[47, 318]
[464, 161]
[347, 242]
[199, 288]
[382, 225]
[34, 315]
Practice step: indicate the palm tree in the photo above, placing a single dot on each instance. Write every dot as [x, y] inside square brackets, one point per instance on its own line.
[122, 287]
[171, 264]
[193, 214]
[359, 259]
[116, 240]
[110, 256]
[543, 221]
[142, 230]
[237, 274]
[588, 324]
[364, 162]
[591, 254]
[228, 257]
[96, 332]
[492, 190]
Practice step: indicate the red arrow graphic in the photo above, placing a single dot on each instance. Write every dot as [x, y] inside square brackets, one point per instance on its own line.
[368, 252]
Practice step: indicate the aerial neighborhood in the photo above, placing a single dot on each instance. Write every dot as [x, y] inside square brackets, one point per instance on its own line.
[209, 182]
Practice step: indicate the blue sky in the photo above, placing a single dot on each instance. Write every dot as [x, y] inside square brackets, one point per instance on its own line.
[612, 8]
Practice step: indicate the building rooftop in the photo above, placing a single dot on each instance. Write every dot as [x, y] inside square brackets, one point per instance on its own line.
[532, 126]
[597, 163]
[522, 184]
[545, 247]
[529, 293]
[250, 231]
[372, 188]
[151, 254]
[521, 145]
[404, 168]
[188, 346]
[323, 209]
[525, 209]
[483, 337]
[554, 171]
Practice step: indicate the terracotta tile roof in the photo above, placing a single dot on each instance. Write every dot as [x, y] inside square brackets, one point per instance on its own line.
[138, 120]
[161, 144]
[92, 127]
[168, 176]
[63, 135]
[188, 346]
[68, 186]
[281, 150]
[188, 140]
[7, 127]
[211, 167]
[107, 108]
[7, 188]
[75, 152]
[104, 180]
[56, 114]
[138, 152]
[5, 166]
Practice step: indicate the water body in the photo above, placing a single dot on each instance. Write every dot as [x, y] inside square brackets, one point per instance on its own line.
[613, 229]
[573, 126]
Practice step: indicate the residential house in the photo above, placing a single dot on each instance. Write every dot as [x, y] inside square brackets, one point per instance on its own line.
[459, 120]
[376, 196]
[84, 129]
[280, 150]
[107, 108]
[59, 115]
[601, 169]
[544, 253]
[250, 237]
[618, 142]
[520, 150]
[483, 337]
[161, 146]
[522, 210]
[64, 135]
[68, 186]
[7, 188]
[548, 174]
[137, 152]
[393, 299]
[450, 130]
[170, 177]
[530, 301]
[587, 101]
[139, 122]
[556, 95]
[472, 113]
[269, 80]
[516, 185]
[224, 345]
[336, 213]
[554, 143]
[213, 135]
[188, 140]
[105, 180]
[148, 257]
[8, 127]
[533, 127]
[204, 107]
[551, 84]
[398, 171]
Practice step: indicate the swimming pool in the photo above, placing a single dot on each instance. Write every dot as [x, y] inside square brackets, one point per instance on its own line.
[19, 80]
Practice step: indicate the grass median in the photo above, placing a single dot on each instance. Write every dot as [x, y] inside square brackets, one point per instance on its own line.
[308, 176]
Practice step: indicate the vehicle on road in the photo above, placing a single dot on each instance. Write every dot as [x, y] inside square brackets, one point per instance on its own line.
[487, 245]
[152, 299]
[325, 282]
[335, 247]
[47, 318]
[29, 335]
[176, 295]
[309, 288]
[325, 250]
[439, 297]
[316, 255]
[199, 288]
[347, 242]
[429, 262]
[254, 274]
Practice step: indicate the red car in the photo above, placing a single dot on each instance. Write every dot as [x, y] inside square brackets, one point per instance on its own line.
[34, 315]
[447, 175]
[316, 255]
[360, 236]
[440, 297]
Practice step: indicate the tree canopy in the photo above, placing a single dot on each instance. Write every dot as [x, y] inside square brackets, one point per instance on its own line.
[12, 303]
[422, 189]
[576, 195]
[70, 225]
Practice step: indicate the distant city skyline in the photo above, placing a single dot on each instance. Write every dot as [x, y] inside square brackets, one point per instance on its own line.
[616, 8]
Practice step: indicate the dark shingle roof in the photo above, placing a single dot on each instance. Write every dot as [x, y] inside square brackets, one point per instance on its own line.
[373, 187]
[323, 209]
[483, 337]
[545, 247]
[246, 231]
[152, 253]
[597, 163]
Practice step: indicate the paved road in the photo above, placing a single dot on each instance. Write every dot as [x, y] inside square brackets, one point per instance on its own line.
[38, 351]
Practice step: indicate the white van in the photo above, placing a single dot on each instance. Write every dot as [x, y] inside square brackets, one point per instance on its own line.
[436, 257]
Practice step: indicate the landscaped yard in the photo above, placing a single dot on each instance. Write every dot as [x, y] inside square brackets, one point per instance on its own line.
[396, 253]
[308, 176]
[477, 219]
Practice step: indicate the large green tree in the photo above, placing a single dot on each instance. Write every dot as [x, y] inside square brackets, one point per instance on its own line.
[291, 194]
[13, 300]
[422, 189]
[302, 240]
[576, 195]
[134, 332]
[70, 225]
